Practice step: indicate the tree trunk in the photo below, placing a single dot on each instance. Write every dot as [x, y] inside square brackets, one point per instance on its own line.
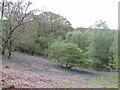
[3, 51]
[9, 48]
[9, 54]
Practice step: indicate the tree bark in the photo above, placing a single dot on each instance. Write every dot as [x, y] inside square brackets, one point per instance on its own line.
[9, 54]
[2, 11]
[9, 45]
[3, 51]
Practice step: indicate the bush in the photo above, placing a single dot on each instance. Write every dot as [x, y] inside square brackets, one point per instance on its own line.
[42, 46]
[43, 42]
[113, 64]
[67, 54]
[88, 63]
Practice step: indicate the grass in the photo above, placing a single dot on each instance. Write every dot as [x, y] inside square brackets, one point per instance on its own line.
[109, 80]
[68, 84]
[38, 70]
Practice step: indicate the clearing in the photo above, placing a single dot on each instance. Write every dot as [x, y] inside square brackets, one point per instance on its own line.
[25, 71]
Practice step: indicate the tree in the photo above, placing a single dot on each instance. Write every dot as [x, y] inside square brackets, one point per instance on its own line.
[67, 54]
[25, 37]
[79, 38]
[100, 43]
[100, 25]
[73, 37]
[114, 50]
[2, 9]
[16, 14]
[28, 41]
[52, 25]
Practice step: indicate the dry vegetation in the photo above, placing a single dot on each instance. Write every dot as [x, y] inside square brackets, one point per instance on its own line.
[14, 76]
[17, 79]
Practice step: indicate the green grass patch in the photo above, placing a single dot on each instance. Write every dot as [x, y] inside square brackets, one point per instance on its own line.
[110, 80]
[38, 70]
[68, 84]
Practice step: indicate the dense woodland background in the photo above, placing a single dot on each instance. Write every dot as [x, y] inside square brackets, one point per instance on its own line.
[52, 36]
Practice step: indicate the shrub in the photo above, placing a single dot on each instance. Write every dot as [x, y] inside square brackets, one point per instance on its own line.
[67, 54]
[38, 46]
[43, 44]
[88, 63]
[113, 64]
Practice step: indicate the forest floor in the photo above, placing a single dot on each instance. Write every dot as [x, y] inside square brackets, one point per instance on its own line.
[25, 71]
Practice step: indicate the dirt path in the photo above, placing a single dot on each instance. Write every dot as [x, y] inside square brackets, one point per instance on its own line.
[38, 72]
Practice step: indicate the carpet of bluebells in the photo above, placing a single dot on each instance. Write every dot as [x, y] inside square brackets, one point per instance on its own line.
[45, 67]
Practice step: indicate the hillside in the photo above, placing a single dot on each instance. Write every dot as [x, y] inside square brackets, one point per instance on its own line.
[25, 71]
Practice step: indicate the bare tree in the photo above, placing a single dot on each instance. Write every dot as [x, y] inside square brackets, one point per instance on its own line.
[16, 14]
[2, 9]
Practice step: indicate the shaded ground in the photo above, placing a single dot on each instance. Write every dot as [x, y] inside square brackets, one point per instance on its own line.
[30, 71]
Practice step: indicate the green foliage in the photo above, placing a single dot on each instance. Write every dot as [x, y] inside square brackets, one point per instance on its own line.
[114, 47]
[98, 45]
[43, 45]
[100, 42]
[87, 48]
[88, 63]
[73, 37]
[25, 38]
[29, 41]
[113, 64]
[113, 59]
[79, 38]
[52, 25]
[66, 53]
[43, 42]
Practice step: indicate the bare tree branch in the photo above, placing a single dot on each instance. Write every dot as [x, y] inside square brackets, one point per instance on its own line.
[17, 14]
[2, 10]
